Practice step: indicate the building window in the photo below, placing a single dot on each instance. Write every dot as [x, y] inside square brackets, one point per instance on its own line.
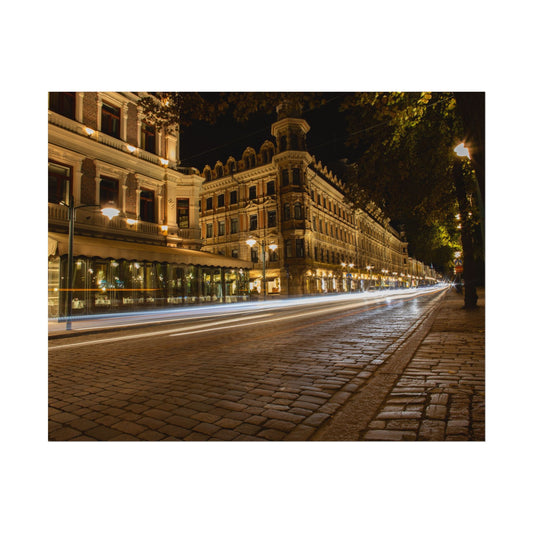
[271, 219]
[294, 141]
[296, 177]
[231, 166]
[219, 171]
[267, 155]
[208, 231]
[273, 255]
[221, 227]
[209, 203]
[254, 255]
[147, 205]
[253, 222]
[314, 223]
[300, 248]
[148, 137]
[298, 211]
[108, 191]
[284, 177]
[316, 253]
[283, 143]
[288, 248]
[234, 225]
[235, 253]
[182, 212]
[250, 161]
[271, 188]
[59, 183]
[220, 200]
[252, 192]
[63, 103]
[286, 211]
[233, 197]
[111, 120]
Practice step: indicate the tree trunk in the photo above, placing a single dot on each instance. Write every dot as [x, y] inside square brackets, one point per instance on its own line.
[466, 237]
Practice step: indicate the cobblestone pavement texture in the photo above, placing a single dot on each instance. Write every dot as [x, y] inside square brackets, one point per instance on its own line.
[293, 382]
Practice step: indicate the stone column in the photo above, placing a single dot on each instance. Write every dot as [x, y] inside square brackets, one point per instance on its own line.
[138, 203]
[97, 181]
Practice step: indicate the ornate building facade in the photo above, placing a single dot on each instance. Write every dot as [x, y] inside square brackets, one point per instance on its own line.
[287, 213]
[102, 153]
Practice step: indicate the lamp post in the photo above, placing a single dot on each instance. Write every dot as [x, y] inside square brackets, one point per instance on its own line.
[369, 269]
[109, 212]
[466, 228]
[251, 242]
[348, 274]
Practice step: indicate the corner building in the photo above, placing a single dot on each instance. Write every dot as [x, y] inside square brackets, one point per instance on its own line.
[308, 238]
[102, 152]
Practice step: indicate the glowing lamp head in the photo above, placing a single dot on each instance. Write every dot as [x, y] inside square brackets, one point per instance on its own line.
[110, 212]
[462, 151]
[273, 247]
[251, 242]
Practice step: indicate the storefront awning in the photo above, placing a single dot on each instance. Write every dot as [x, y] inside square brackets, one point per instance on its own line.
[133, 251]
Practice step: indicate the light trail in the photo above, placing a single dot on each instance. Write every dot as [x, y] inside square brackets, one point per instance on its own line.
[225, 324]
[161, 316]
[189, 329]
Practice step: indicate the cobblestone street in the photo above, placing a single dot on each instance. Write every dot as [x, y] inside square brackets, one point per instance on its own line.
[296, 382]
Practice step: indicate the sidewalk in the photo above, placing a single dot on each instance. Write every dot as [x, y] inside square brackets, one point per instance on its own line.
[431, 389]
[441, 394]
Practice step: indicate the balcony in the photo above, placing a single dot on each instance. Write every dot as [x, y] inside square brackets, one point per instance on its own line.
[108, 140]
[89, 220]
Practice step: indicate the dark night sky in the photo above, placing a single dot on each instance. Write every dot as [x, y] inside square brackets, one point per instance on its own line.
[203, 144]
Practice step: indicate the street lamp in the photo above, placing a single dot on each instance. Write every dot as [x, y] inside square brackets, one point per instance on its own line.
[384, 273]
[251, 242]
[348, 274]
[369, 268]
[109, 212]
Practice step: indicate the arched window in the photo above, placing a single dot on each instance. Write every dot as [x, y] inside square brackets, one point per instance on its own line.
[298, 211]
[295, 141]
[219, 171]
[231, 166]
[207, 174]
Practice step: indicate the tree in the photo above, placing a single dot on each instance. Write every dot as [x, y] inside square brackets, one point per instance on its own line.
[407, 165]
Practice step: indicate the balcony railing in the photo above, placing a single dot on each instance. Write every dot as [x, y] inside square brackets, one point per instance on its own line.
[90, 218]
[108, 140]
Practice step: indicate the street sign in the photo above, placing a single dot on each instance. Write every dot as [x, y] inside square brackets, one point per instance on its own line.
[459, 269]
[457, 262]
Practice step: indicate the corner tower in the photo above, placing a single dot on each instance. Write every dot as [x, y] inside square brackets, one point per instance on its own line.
[290, 129]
